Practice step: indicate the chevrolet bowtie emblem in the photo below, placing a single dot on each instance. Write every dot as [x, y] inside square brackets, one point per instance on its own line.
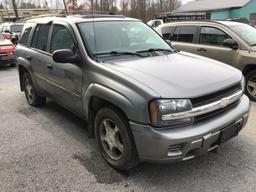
[224, 102]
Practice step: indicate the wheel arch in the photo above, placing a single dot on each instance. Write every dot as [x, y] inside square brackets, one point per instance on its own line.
[248, 68]
[98, 96]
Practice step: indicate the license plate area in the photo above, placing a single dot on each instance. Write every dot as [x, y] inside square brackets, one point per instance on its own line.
[230, 131]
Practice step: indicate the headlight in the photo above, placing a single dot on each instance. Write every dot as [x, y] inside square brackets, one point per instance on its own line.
[161, 112]
[243, 83]
[6, 47]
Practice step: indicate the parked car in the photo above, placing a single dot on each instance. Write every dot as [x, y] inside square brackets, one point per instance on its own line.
[143, 100]
[155, 23]
[7, 52]
[11, 31]
[229, 42]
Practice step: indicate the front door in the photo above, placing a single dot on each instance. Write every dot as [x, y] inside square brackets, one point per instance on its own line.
[210, 44]
[66, 78]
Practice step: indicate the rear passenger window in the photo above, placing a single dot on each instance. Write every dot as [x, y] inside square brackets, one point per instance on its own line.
[175, 34]
[166, 32]
[40, 37]
[25, 36]
[61, 39]
[212, 36]
[187, 34]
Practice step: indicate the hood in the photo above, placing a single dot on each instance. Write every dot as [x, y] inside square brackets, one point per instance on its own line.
[5, 42]
[179, 75]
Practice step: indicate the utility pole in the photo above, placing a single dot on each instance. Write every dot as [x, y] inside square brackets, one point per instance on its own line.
[15, 9]
[65, 6]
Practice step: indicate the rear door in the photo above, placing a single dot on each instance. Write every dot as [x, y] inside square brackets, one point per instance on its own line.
[184, 37]
[38, 54]
[210, 45]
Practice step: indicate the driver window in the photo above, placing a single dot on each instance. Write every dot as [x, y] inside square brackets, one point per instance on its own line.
[61, 39]
[212, 36]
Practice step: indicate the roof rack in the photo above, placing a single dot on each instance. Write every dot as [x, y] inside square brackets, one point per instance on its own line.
[102, 16]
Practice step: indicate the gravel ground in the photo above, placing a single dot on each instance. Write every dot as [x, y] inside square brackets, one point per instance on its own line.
[48, 149]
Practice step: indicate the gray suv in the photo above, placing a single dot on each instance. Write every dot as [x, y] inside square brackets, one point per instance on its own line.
[143, 100]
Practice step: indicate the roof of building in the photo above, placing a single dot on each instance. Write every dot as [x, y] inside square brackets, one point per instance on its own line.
[207, 5]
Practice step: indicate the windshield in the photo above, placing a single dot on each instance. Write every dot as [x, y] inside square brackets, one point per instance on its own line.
[120, 36]
[16, 28]
[1, 36]
[246, 32]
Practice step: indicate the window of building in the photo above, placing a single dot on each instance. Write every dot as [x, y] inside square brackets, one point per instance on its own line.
[61, 39]
[212, 36]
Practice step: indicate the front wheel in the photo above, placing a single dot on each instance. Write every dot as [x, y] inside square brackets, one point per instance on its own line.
[32, 96]
[114, 138]
[250, 87]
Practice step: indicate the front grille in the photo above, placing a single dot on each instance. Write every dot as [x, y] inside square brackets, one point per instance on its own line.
[207, 99]
[212, 114]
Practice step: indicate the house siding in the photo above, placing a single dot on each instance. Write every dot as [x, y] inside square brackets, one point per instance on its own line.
[219, 15]
[244, 12]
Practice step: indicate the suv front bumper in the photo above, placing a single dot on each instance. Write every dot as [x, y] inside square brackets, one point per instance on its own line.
[183, 143]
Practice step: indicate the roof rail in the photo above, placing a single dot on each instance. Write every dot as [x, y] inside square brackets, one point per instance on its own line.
[86, 12]
[47, 15]
[102, 16]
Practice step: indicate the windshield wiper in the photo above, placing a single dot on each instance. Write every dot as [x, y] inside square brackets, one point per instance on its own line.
[153, 50]
[253, 45]
[119, 53]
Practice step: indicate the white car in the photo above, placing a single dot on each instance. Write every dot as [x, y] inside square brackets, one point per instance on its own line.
[155, 23]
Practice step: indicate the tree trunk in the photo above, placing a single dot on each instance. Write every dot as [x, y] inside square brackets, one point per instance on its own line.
[15, 9]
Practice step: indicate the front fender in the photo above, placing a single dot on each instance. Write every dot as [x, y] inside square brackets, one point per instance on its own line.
[119, 100]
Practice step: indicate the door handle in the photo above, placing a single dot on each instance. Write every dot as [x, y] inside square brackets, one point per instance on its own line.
[28, 58]
[49, 66]
[201, 50]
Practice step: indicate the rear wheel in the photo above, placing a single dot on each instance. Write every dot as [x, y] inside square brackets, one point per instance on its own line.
[32, 96]
[250, 87]
[114, 138]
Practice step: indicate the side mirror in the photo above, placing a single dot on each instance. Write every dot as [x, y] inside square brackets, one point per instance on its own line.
[65, 56]
[168, 42]
[230, 43]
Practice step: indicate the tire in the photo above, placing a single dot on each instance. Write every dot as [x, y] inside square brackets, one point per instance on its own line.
[250, 85]
[124, 155]
[32, 96]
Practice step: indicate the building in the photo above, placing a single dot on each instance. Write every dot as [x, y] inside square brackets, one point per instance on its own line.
[216, 10]
[9, 16]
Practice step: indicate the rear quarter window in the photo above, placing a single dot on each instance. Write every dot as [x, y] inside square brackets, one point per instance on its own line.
[25, 35]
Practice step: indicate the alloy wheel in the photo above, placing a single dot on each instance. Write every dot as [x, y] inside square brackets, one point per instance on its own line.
[111, 139]
[251, 87]
[29, 90]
